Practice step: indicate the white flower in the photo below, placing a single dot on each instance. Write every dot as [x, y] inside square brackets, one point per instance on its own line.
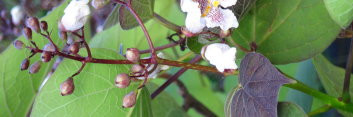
[220, 55]
[159, 68]
[76, 15]
[17, 14]
[201, 13]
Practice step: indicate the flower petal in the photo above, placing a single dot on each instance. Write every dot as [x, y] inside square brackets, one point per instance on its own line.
[188, 5]
[194, 23]
[76, 15]
[227, 3]
[221, 17]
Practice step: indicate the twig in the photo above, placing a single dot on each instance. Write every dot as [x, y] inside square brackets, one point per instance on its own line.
[319, 110]
[167, 23]
[174, 77]
[345, 94]
[190, 101]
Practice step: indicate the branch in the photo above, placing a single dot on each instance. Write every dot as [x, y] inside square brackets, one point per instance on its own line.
[167, 23]
[347, 78]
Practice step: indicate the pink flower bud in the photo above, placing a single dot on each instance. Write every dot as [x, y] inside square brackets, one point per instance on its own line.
[18, 44]
[122, 80]
[46, 56]
[74, 48]
[136, 68]
[133, 55]
[129, 100]
[67, 87]
[27, 32]
[25, 64]
[34, 68]
[33, 23]
[44, 25]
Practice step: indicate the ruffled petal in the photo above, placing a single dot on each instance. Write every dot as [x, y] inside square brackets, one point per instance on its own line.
[220, 55]
[227, 3]
[194, 23]
[221, 17]
[76, 15]
[188, 5]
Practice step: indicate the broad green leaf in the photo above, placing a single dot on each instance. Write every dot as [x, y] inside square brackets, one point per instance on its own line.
[331, 77]
[287, 109]
[194, 45]
[142, 107]
[144, 9]
[18, 87]
[341, 11]
[242, 7]
[287, 31]
[95, 93]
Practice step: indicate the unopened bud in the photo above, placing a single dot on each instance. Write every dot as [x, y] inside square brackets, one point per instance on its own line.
[25, 64]
[49, 47]
[27, 32]
[34, 68]
[133, 55]
[186, 32]
[97, 4]
[44, 25]
[63, 35]
[46, 56]
[129, 100]
[136, 68]
[122, 80]
[33, 23]
[224, 34]
[74, 48]
[18, 44]
[67, 87]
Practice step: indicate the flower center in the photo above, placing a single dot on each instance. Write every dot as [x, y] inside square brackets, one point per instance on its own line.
[206, 6]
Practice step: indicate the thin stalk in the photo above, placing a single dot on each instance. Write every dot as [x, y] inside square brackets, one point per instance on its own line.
[347, 78]
[167, 23]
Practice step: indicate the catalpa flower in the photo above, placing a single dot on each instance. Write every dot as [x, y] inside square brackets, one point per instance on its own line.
[76, 15]
[17, 14]
[201, 13]
[220, 55]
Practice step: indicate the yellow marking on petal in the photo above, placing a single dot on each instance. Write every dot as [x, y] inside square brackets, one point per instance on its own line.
[216, 3]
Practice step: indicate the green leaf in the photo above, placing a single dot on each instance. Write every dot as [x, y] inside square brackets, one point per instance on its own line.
[18, 88]
[288, 31]
[194, 45]
[95, 93]
[113, 17]
[142, 107]
[144, 9]
[341, 11]
[287, 109]
[331, 77]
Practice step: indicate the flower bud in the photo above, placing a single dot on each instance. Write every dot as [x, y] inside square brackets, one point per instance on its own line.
[136, 68]
[49, 47]
[33, 23]
[17, 14]
[67, 87]
[133, 55]
[74, 48]
[25, 64]
[46, 56]
[44, 25]
[186, 32]
[122, 80]
[98, 4]
[18, 44]
[27, 32]
[63, 35]
[129, 100]
[224, 34]
[34, 68]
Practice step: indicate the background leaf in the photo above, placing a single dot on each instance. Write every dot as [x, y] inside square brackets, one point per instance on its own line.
[287, 109]
[144, 9]
[257, 95]
[288, 31]
[331, 77]
[341, 11]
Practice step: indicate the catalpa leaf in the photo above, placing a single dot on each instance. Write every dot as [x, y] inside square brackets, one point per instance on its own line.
[256, 96]
[144, 9]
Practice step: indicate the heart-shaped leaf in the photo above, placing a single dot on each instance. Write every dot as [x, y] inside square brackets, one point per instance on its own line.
[144, 9]
[292, 30]
[258, 90]
[142, 107]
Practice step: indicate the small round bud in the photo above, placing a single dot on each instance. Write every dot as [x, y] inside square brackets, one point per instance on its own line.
[46, 56]
[133, 55]
[25, 64]
[122, 80]
[224, 34]
[34, 68]
[18, 44]
[186, 32]
[63, 35]
[27, 32]
[67, 87]
[44, 25]
[98, 4]
[74, 48]
[49, 47]
[136, 68]
[129, 100]
[33, 23]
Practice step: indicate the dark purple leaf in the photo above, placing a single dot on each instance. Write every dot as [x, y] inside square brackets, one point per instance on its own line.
[256, 96]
